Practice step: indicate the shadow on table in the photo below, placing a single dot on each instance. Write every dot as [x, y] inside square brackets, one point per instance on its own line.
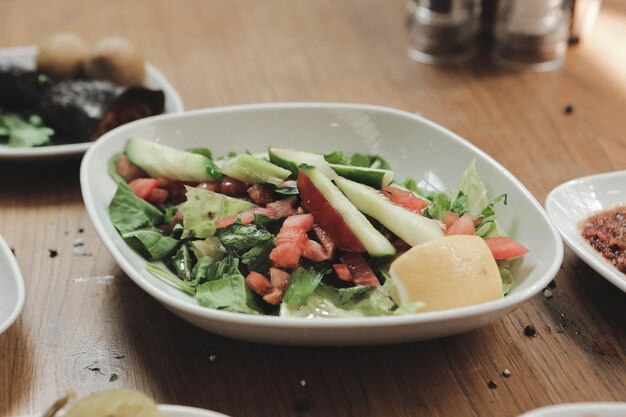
[30, 181]
[16, 375]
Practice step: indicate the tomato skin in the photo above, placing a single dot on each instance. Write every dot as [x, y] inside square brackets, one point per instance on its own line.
[405, 198]
[503, 247]
[142, 187]
[157, 196]
[279, 278]
[342, 271]
[464, 225]
[449, 218]
[326, 216]
[360, 271]
[258, 283]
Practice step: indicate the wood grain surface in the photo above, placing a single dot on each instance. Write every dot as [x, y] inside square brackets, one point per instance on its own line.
[86, 327]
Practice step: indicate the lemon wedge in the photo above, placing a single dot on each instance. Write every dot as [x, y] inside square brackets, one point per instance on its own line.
[115, 403]
[449, 272]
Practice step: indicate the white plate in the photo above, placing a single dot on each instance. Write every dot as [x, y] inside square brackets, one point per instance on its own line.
[12, 291]
[580, 410]
[25, 56]
[177, 411]
[572, 202]
[414, 147]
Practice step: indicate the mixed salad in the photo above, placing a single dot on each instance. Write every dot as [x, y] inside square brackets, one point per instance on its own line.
[288, 233]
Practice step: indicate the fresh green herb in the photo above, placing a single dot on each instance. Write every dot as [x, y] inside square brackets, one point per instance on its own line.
[302, 284]
[129, 212]
[239, 238]
[24, 133]
[287, 191]
[257, 258]
[151, 243]
[336, 157]
[181, 263]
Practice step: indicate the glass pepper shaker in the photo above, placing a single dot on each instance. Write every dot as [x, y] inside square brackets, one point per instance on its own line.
[443, 31]
[531, 34]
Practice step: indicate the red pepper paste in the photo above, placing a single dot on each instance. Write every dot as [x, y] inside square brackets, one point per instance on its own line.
[606, 232]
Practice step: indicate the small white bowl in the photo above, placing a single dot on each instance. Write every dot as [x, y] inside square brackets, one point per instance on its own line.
[26, 55]
[413, 146]
[608, 409]
[12, 291]
[572, 202]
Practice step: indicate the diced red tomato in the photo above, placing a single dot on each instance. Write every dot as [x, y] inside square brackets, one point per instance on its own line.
[464, 225]
[314, 251]
[360, 271]
[258, 283]
[127, 169]
[274, 296]
[326, 216]
[261, 194]
[342, 272]
[279, 209]
[405, 198]
[291, 240]
[233, 188]
[449, 218]
[503, 247]
[142, 187]
[326, 240]
[279, 278]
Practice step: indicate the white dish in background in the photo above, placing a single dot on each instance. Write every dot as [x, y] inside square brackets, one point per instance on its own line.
[572, 202]
[26, 55]
[413, 146]
[608, 409]
[12, 291]
[177, 411]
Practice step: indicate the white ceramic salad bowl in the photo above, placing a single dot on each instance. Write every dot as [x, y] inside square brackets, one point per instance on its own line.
[178, 411]
[12, 291]
[26, 55]
[413, 146]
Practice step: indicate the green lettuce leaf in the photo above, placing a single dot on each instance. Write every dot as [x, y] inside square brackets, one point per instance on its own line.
[129, 212]
[238, 238]
[302, 284]
[229, 293]
[257, 259]
[474, 190]
[151, 244]
[204, 207]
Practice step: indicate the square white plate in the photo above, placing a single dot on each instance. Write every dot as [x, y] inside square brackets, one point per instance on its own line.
[413, 146]
[572, 202]
[26, 55]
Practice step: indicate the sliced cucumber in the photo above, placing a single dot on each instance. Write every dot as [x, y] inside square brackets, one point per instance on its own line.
[407, 225]
[162, 161]
[291, 159]
[372, 240]
[377, 178]
[248, 168]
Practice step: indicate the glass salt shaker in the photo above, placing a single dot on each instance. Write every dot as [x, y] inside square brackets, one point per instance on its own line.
[443, 31]
[531, 34]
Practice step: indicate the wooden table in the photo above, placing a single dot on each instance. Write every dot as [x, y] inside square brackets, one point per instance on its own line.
[86, 327]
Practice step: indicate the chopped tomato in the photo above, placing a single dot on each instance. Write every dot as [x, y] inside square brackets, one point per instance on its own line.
[360, 271]
[279, 209]
[261, 194]
[142, 187]
[405, 198]
[326, 240]
[258, 283]
[274, 296]
[342, 272]
[326, 216]
[503, 247]
[233, 188]
[279, 278]
[127, 169]
[314, 251]
[464, 225]
[449, 218]
[291, 240]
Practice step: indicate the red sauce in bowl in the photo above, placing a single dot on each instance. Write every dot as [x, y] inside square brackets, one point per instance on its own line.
[606, 232]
